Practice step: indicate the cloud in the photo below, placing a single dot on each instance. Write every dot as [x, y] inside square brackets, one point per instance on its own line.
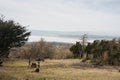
[65, 15]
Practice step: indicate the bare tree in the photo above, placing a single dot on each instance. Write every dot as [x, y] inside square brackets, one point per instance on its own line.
[36, 50]
[83, 43]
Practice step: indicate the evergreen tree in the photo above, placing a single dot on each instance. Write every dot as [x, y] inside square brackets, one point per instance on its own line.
[11, 35]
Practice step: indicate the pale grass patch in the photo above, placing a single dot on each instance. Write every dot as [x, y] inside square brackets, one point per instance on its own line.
[56, 70]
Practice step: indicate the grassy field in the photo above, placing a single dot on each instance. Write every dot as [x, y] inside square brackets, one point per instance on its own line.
[55, 70]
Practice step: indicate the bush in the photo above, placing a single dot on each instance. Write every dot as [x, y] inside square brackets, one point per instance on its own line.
[62, 53]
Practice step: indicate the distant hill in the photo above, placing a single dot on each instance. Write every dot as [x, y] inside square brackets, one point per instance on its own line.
[57, 44]
[75, 35]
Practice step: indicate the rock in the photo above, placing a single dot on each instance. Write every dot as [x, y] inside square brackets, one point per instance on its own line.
[33, 65]
[37, 70]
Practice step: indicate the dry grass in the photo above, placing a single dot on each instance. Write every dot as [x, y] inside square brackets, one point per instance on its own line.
[54, 70]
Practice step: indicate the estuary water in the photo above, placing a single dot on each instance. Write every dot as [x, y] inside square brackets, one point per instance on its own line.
[55, 39]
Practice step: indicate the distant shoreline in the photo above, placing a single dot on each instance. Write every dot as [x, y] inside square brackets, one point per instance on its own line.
[35, 38]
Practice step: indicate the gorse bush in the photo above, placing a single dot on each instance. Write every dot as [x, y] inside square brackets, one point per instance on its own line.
[102, 51]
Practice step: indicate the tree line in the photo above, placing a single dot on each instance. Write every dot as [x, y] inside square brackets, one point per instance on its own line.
[99, 52]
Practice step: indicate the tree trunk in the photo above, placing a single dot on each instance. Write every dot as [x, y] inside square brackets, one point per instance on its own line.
[29, 62]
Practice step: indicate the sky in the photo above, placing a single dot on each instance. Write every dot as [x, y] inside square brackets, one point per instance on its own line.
[65, 15]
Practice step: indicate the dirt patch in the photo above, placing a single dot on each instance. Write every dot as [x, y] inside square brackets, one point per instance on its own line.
[84, 66]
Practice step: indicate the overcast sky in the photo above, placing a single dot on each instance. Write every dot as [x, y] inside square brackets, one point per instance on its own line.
[65, 15]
